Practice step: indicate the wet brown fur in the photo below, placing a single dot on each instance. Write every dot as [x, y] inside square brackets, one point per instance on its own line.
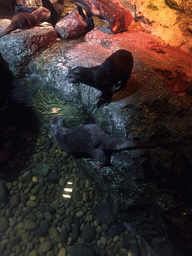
[25, 20]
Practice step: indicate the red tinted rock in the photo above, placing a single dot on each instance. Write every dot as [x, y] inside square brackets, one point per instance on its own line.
[113, 11]
[71, 26]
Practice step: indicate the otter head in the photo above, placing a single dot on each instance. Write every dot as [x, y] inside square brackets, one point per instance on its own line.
[57, 120]
[59, 130]
[74, 75]
[41, 14]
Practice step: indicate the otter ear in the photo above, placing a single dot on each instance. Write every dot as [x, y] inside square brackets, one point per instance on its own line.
[68, 73]
[63, 124]
[77, 70]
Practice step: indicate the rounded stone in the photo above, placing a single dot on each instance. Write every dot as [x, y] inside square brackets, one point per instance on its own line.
[33, 253]
[88, 233]
[35, 179]
[13, 222]
[14, 201]
[55, 234]
[4, 224]
[48, 216]
[32, 198]
[115, 239]
[99, 229]
[79, 214]
[88, 218]
[103, 240]
[29, 225]
[62, 252]
[31, 204]
[45, 246]
[96, 223]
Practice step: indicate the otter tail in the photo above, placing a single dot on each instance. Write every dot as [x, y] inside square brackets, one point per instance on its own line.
[121, 144]
[7, 31]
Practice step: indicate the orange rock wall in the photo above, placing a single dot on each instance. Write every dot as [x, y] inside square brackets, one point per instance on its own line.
[171, 20]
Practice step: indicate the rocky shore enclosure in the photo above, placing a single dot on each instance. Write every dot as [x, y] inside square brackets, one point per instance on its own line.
[154, 106]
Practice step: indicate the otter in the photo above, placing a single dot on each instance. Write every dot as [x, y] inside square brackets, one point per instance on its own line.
[87, 18]
[111, 76]
[91, 140]
[27, 20]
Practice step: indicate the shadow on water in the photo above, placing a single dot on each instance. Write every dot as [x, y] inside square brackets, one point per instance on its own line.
[19, 125]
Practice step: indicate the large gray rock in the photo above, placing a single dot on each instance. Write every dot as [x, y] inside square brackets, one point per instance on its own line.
[145, 110]
[20, 46]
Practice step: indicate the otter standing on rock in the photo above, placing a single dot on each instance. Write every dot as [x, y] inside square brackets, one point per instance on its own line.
[27, 20]
[107, 76]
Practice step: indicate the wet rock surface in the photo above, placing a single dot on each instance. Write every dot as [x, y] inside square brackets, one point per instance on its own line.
[149, 190]
[28, 43]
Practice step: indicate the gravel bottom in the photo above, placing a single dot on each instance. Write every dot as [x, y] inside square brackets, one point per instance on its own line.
[39, 220]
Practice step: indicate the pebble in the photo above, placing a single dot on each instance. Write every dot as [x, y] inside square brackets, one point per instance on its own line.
[29, 225]
[32, 198]
[45, 246]
[35, 179]
[33, 253]
[62, 252]
[14, 201]
[115, 239]
[4, 224]
[88, 218]
[55, 204]
[13, 222]
[43, 229]
[96, 223]
[80, 214]
[64, 236]
[9, 185]
[103, 240]
[41, 222]
[88, 233]
[31, 203]
[55, 234]
[48, 216]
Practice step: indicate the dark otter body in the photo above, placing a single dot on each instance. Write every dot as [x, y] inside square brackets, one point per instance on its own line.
[87, 18]
[113, 72]
[90, 140]
[27, 20]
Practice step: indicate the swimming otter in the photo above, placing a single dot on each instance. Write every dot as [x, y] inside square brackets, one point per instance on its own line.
[91, 140]
[27, 20]
[111, 76]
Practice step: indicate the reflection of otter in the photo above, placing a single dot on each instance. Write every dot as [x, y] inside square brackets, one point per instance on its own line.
[107, 76]
[27, 20]
[90, 140]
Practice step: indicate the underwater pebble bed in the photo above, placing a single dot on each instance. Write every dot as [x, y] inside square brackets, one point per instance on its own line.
[38, 220]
